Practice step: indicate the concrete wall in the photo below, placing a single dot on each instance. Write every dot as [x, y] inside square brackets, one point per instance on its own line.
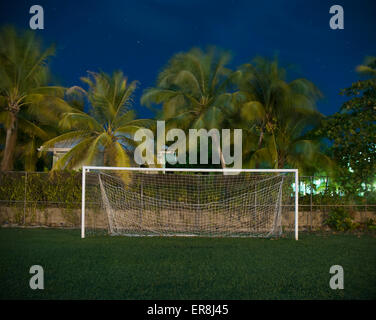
[62, 217]
[51, 217]
[314, 220]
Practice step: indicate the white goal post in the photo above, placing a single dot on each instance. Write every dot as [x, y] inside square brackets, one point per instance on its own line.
[222, 207]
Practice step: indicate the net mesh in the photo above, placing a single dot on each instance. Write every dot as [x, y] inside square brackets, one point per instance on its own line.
[136, 203]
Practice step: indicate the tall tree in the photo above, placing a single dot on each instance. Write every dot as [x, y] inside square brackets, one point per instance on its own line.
[292, 145]
[276, 116]
[105, 133]
[26, 100]
[352, 132]
[194, 90]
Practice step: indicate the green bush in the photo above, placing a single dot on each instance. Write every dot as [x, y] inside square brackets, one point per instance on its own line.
[370, 224]
[32, 193]
[339, 219]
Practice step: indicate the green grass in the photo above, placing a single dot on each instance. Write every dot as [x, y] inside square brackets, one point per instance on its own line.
[184, 268]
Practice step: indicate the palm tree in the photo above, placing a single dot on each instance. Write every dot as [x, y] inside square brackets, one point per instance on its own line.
[291, 145]
[368, 68]
[26, 100]
[266, 96]
[28, 142]
[275, 116]
[193, 89]
[107, 129]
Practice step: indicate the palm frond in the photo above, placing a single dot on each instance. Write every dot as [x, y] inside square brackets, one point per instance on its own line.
[74, 157]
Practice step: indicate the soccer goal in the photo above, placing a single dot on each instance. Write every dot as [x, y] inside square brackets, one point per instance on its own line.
[188, 202]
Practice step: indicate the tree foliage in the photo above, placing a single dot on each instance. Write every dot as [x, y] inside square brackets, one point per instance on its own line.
[276, 117]
[29, 106]
[194, 90]
[105, 134]
[353, 132]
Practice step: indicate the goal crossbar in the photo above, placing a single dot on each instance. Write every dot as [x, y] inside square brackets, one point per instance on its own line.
[86, 169]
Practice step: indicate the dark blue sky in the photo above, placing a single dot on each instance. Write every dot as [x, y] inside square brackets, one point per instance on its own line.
[140, 36]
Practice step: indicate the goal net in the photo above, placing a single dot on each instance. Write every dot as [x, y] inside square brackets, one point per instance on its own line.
[178, 202]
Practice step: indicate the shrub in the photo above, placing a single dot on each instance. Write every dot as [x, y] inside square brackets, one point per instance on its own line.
[370, 224]
[340, 220]
[32, 193]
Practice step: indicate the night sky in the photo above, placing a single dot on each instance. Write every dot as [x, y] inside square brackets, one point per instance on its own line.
[140, 36]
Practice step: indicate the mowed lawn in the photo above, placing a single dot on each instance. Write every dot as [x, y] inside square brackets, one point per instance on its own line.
[184, 268]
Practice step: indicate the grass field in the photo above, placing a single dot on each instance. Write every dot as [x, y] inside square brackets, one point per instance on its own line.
[184, 268]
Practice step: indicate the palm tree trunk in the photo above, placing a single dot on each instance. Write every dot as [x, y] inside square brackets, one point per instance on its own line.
[104, 158]
[222, 159]
[281, 162]
[223, 163]
[260, 139]
[10, 144]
